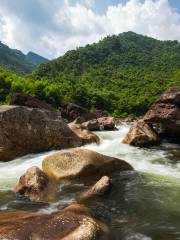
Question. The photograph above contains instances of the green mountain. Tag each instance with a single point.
(18, 62)
(35, 58)
(122, 74)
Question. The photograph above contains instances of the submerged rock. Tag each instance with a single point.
(165, 113)
(32, 184)
(72, 223)
(22, 99)
(77, 163)
(30, 130)
(85, 135)
(141, 135)
(100, 188)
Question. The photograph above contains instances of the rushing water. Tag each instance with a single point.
(144, 204)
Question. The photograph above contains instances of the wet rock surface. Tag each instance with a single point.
(100, 188)
(141, 135)
(80, 163)
(85, 135)
(32, 184)
(72, 223)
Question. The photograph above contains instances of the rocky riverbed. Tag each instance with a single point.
(141, 205)
(121, 182)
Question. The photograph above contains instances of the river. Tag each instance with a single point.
(143, 205)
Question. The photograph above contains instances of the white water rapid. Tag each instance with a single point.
(154, 160)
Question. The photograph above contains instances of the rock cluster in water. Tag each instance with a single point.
(84, 134)
(161, 121)
(35, 126)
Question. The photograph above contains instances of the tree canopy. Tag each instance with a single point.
(122, 74)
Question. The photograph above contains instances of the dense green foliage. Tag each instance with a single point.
(18, 62)
(122, 74)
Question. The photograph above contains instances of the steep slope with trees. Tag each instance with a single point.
(122, 74)
(18, 62)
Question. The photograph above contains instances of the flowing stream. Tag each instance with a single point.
(144, 204)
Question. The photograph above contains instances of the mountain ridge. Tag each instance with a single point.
(17, 61)
(122, 74)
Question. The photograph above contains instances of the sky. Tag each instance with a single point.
(52, 27)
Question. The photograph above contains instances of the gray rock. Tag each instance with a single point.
(30, 130)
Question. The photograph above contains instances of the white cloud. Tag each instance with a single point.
(52, 27)
(87, 3)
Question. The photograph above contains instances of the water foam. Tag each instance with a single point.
(152, 160)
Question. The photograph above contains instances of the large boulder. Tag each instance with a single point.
(164, 114)
(72, 223)
(33, 184)
(85, 135)
(22, 99)
(141, 135)
(77, 163)
(29, 130)
(100, 188)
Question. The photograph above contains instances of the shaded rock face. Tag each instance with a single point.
(107, 123)
(86, 136)
(25, 130)
(141, 135)
(32, 184)
(71, 111)
(79, 163)
(100, 124)
(21, 99)
(91, 125)
(100, 188)
(165, 113)
(95, 115)
(73, 223)
(172, 96)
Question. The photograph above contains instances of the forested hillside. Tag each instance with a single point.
(18, 62)
(122, 74)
